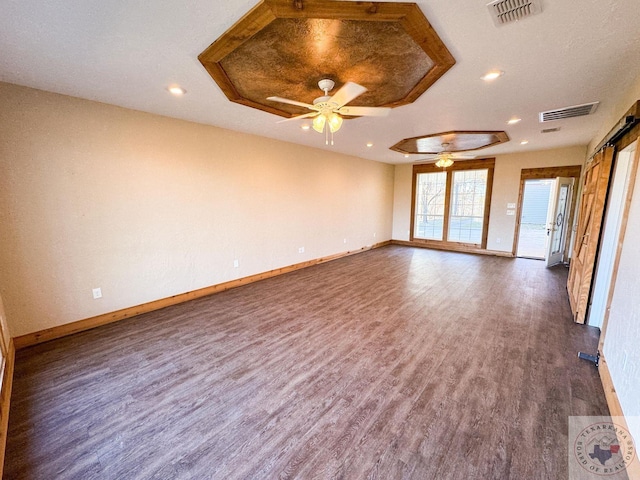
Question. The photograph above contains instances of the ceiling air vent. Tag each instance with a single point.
(569, 112)
(508, 11)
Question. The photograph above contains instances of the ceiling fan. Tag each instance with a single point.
(327, 109)
(445, 158)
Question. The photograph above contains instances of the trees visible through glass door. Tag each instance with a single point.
(451, 206)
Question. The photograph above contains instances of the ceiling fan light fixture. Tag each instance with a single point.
(326, 109)
(444, 160)
(319, 123)
(335, 122)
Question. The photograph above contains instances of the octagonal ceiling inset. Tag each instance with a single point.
(284, 47)
(455, 141)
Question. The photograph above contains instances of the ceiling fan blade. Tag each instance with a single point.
(348, 92)
(306, 115)
(365, 111)
(291, 102)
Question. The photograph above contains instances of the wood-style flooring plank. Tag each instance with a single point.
(397, 363)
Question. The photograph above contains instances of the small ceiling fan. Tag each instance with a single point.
(445, 158)
(327, 109)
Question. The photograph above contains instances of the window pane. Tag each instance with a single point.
(468, 192)
(430, 196)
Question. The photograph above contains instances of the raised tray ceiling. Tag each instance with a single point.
(455, 141)
(283, 47)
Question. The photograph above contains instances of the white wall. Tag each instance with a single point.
(402, 202)
(631, 96)
(622, 341)
(506, 187)
(622, 338)
(146, 207)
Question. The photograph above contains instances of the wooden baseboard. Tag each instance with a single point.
(42, 336)
(615, 410)
(450, 248)
(5, 400)
(609, 391)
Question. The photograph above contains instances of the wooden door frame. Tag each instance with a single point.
(8, 352)
(477, 164)
(543, 173)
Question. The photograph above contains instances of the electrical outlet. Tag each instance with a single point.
(498, 240)
(236, 263)
(344, 241)
(511, 212)
(374, 234)
(97, 293)
(301, 250)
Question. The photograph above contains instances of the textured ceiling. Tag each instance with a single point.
(126, 53)
(450, 142)
(389, 72)
(284, 48)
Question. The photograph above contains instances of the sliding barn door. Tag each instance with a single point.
(594, 194)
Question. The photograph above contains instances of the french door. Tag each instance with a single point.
(558, 220)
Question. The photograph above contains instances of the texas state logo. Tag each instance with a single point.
(604, 449)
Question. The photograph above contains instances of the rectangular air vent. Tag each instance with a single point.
(569, 112)
(508, 11)
(549, 130)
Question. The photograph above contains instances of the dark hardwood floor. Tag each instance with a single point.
(394, 363)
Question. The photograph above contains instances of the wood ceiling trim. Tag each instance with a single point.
(429, 79)
(374, 11)
(410, 145)
(407, 16)
(417, 25)
(251, 23)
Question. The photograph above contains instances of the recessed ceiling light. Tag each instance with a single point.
(305, 127)
(369, 144)
(513, 121)
(176, 90)
(492, 75)
(524, 142)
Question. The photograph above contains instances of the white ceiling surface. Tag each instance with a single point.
(126, 52)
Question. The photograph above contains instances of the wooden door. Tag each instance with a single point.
(594, 194)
